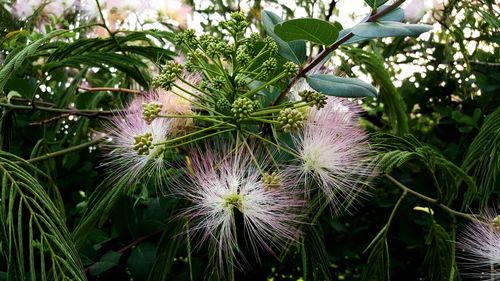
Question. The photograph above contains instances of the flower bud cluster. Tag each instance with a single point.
(271, 180)
(290, 119)
(171, 71)
(150, 111)
(143, 143)
(242, 107)
(314, 98)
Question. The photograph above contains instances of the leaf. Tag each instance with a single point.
(483, 160)
(394, 104)
(141, 259)
(105, 263)
(294, 51)
(15, 60)
(439, 253)
(383, 29)
(340, 86)
(375, 3)
(309, 29)
(37, 244)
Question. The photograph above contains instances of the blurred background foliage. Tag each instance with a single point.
(439, 104)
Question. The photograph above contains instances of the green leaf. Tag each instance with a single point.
(141, 259)
(105, 263)
(483, 160)
(439, 253)
(375, 3)
(394, 104)
(340, 86)
(294, 51)
(15, 60)
(389, 29)
(310, 29)
(35, 242)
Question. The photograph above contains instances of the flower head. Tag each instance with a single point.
(334, 152)
(479, 248)
(134, 152)
(221, 186)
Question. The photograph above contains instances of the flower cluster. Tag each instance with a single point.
(479, 247)
(277, 154)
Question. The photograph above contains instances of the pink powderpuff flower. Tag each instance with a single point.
(334, 152)
(220, 186)
(133, 150)
(415, 10)
(479, 248)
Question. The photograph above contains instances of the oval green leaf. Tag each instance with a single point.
(294, 51)
(341, 86)
(389, 29)
(313, 30)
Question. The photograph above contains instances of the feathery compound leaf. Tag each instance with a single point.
(377, 267)
(439, 253)
(447, 177)
(36, 242)
(394, 105)
(17, 59)
(483, 159)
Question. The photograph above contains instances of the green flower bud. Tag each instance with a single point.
(240, 81)
(242, 107)
(271, 45)
(236, 25)
(291, 68)
(223, 105)
(169, 74)
(187, 36)
(218, 83)
(271, 180)
(242, 57)
(290, 119)
(496, 222)
(269, 66)
(315, 98)
(143, 143)
(150, 111)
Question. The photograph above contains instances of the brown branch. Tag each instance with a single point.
(302, 73)
(101, 89)
(129, 246)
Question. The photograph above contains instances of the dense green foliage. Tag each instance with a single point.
(436, 132)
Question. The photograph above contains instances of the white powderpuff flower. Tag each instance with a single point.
(414, 10)
(479, 248)
(124, 159)
(175, 10)
(334, 153)
(220, 186)
(25, 8)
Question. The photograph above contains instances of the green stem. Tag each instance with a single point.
(189, 135)
(279, 147)
(267, 84)
(79, 112)
(64, 151)
(200, 138)
(475, 218)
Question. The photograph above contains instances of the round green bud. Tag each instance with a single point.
(143, 143)
(150, 111)
(291, 68)
(269, 67)
(271, 180)
(314, 98)
(242, 107)
(217, 83)
(290, 119)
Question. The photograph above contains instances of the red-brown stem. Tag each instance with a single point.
(331, 48)
(123, 90)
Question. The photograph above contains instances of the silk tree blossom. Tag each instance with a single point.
(220, 186)
(175, 10)
(414, 10)
(334, 153)
(26, 8)
(133, 152)
(479, 248)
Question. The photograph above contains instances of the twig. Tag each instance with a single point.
(110, 89)
(129, 246)
(302, 73)
(64, 151)
(79, 112)
(475, 218)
